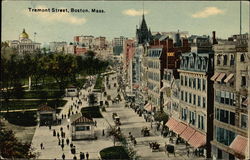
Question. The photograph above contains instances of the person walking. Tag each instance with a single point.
(103, 132)
(62, 146)
(63, 156)
(87, 155)
(41, 145)
(67, 141)
(82, 156)
(59, 142)
(74, 158)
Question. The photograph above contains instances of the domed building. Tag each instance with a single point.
(24, 44)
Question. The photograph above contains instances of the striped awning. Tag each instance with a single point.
(239, 144)
(179, 128)
(229, 78)
(221, 76)
(187, 134)
(197, 140)
(171, 123)
(215, 76)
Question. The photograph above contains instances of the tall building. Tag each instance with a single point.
(58, 46)
(84, 41)
(231, 101)
(118, 45)
(100, 43)
(24, 44)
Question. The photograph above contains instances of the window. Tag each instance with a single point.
(186, 96)
(243, 81)
(190, 98)
(218, 59)
(242, 58)
(184, 114)
(186, 80)
(225, 60)
(222, 98)
(182, 96)
(232, 60)
(190, 82)
(224, 136)
(243, 122)
(192, 116)
(227, 97)
(199, 100)
(225, 116)
(82, 128)
(194, 83)
(201, 122)
(182, 80)
(199, 83)
(203, 84)
(204, 102)
(194, 99)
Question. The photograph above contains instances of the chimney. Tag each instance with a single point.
(214, 38)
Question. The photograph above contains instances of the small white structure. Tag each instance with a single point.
(82, 127)
(46, 115)
(71, 91)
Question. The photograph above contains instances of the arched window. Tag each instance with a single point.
(225, 60)
(218, 59)
(232, 60)
(242, 58)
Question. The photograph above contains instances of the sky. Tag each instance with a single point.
(121, 18)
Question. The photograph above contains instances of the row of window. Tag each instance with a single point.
(225, 97)
(193, 99)
(224, 136)
(200, 64)
(193, 118)
(153, 64)
(225, 116)
(223, 59)
(154, 76)
(195, 83)
(154, 53)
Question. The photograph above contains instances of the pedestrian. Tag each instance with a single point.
(87, 155)
(63, 156)
(59, 142)
(62, 141)
(41, 145)
(188, 152)
(67, 141)
(82, 156)
(71, 145)
(68, 127)
(62, 146)
(103, 132)
(54, 132)
(62, 116)
(50, 127)
(62, 134)
(61, 129)
(74, 158)
(135, 142)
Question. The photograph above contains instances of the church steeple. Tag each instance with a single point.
(143, 34)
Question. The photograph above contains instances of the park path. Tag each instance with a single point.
(53, 150)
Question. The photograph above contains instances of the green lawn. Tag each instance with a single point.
(91, 112)
(31, 104)
(27, 118)
(116, 152)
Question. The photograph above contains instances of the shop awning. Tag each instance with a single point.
(187, 134)
(149, 107)
(229, 78)
(215, 76)
(163, 89)
(239, 144)
(171, 123)
(221, 76)
(197, 140)
(179, 128)
(245, 102)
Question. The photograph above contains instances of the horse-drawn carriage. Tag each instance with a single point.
(145, 131)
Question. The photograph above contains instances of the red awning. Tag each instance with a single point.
(171, 123)
(229, 78)
(221, 76)
(187, 134)
(215, 76)
(239, 144)
(197, 140)
(180, 128)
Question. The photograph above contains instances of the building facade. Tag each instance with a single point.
(230, 102)
(58, 47)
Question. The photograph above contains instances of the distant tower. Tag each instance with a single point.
(143, 34)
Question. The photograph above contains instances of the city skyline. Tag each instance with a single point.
(121, 19)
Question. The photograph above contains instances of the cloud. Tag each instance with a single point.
(208, 11)
(63, 17)
(133, 12)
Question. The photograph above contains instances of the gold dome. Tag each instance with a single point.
(24, 35)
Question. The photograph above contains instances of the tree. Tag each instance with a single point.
(161, 117)
(10, 147)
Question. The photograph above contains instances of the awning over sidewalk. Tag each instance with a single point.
(187, 134)
(239, 144)
(171, 123)
(229, 78)
(215, 76)
(221, 76)
(197, 140)
(179, 128)
(149, 107)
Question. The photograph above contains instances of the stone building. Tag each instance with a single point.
(196, 98)
(230, 102)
